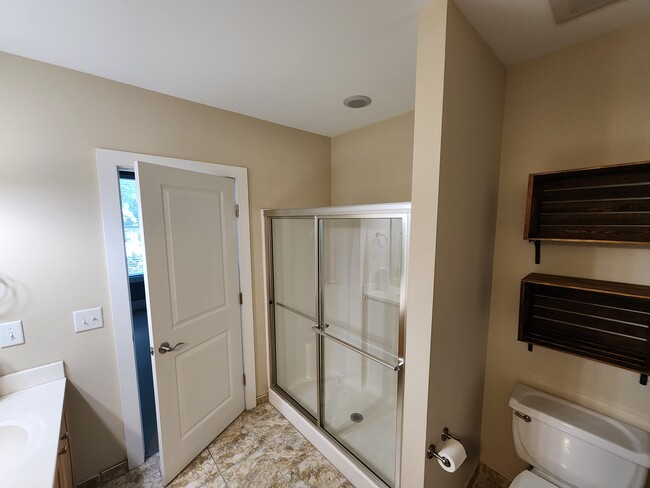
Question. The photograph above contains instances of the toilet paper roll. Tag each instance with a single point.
(454, 452)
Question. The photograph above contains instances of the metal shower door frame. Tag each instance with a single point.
(319, 215)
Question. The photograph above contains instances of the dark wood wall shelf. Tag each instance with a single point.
(601, 320)
(608, 204)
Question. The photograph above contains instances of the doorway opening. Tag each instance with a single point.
(109, 164)
(134, 252)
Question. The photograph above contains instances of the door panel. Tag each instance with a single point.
(353, 384)
(294, 270)
(360, 280)
(296, 357)
(190, 217)
(192, 282)
(198, 399)
(361, 271)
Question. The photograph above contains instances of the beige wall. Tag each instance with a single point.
(472, 124)
(374, 164)
(460, 93)
(429, 86)
(584, 106)
(51, 249)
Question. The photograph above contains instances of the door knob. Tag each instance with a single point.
(165, 347)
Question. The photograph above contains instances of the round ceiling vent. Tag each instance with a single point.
(357, 101)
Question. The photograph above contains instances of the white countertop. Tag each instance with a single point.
(33, 400)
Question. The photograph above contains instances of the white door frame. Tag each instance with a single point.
(109, 162)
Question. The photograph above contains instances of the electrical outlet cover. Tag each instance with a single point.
(88, 319)
(11, 334)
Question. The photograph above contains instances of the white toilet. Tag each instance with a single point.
(570, 446)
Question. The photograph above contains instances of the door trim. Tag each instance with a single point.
(108, 163)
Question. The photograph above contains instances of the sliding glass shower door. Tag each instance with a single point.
(294, 309)
(337, 299)
(360, 298)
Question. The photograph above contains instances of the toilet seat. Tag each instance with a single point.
(528, 479)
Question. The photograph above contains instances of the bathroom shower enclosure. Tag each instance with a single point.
(336, 296)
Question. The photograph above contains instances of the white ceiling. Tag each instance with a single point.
(521, 30)
(287, 61)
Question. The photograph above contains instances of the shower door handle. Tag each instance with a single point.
(165, 347)
(394, 366)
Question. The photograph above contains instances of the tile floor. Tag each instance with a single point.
(488, 478)
(260, 449)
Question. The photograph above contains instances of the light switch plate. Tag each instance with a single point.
(11, 334)
(88, 319)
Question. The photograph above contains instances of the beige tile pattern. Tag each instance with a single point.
(114, 471)
(288, 448)
(233, 448)
(314, 471)
(488, 478)
(147, 475)
(260, 449)
(197, 472)
(262, 399)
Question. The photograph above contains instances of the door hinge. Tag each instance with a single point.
(244, 379)
(151, 350)
(241, 298)
(237, 210)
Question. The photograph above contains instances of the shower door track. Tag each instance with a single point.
(377, 211)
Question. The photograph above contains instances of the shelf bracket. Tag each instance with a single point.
(644, 379)
(538, 251)
(530, 347)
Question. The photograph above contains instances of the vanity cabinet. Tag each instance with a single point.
(64, 475)
(32, 402)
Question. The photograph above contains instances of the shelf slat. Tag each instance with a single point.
(602, 320)
(607, 204)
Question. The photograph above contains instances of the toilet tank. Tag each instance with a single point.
(576, 446)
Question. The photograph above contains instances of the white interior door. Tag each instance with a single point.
(192, 282)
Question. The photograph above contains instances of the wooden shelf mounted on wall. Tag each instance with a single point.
(601, 320)
(608, 204)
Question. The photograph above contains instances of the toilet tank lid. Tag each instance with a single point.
(612, 435)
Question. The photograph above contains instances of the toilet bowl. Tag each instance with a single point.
(570, 446)
(528, 479)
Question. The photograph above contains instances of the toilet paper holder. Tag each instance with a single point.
(431, 450)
